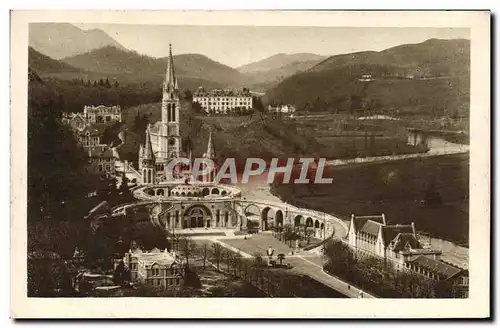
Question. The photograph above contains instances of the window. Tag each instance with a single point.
(155, 272)
(133, 266)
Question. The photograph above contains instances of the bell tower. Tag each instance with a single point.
(170, 141)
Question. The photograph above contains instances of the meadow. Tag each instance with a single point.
(432, 192)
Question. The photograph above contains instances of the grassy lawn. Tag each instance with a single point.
(258, 244)
(397, 189)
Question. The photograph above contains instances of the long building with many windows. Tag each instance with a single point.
(399, 246)
(219, 101)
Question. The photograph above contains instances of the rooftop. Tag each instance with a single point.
(391, 232)
(154, 256)
(222, 93)
(100, 151)
(439, 267)
(95, 129)
(368, 224)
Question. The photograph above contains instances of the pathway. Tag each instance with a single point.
(310, 264)
(437, 147)
(313, 267)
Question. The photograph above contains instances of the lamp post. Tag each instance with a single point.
(270, 252)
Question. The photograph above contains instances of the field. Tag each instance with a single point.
(343, 136)
(258, 244)
(432, 192)
(267, 136)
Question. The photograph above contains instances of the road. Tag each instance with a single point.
(312, 265)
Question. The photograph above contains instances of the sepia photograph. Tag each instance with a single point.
(169, 161)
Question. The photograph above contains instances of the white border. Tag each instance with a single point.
(476, 306)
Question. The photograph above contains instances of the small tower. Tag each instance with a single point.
(210, 154)
(148, 161)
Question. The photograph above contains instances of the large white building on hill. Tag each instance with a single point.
(223, 101)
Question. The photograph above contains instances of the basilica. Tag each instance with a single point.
(163, 142)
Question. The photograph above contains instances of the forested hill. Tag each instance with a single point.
(113, 61)
(431, 77)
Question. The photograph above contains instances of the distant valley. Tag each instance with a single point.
(265, 74)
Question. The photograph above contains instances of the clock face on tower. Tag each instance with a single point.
(171, 141)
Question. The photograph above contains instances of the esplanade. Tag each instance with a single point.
(199, 207)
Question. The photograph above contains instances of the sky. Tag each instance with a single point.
(239, 45)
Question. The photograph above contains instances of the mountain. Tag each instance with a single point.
(428, 77)
(113, 61)
(266, 73)
(59, 40)
(44, 64)
(277, 61)
(431, 58)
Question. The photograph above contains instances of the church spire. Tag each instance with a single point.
(210, 147)
(148, 154)
(170, 83)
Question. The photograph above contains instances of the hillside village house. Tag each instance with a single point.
(287, 109)
(89, 128)
(399, 246)
(93, 114)
(161, 269)
(223, 101)
(366, 78)
(91, 135)
(101, 159)
(102, 114)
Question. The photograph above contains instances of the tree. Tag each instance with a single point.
(117, 84)
(217, 253)
(124, 189)
(258, 265)
(188, 95)
(271, 227)
(118, 273)
(204, 252)
(340, 257)
(229, 260)
(288, 234)
(257, 104)
(57, 177)
(238, 262)
(188, 248)
(175, 239)
(197, 109)
(309, 231)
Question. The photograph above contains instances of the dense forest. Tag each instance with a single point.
(74, 94)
